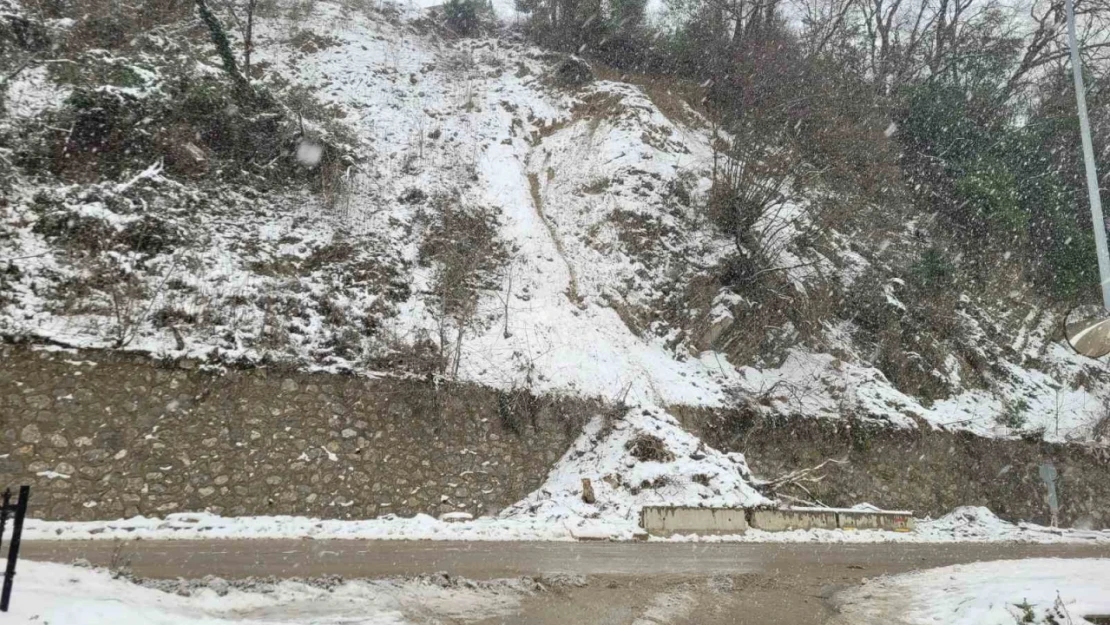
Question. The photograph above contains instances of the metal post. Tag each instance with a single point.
(4, 501)
(13, 546)
(1089, 161)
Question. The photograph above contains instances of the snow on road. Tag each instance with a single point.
(1005, 592)
(55, 594)
(1035, 591)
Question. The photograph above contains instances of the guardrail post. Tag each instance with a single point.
(13, 546)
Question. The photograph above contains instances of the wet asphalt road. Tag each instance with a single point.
(488, 560)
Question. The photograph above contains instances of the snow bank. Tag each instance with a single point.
(952, 528)
(202, 525)
(974, 522)
(54, 593)
(986, 593)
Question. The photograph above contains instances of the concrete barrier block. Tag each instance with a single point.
(668, 520)
(783, 520)
(890, 521)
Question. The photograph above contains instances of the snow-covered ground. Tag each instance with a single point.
(54, 594)
(1005, 592)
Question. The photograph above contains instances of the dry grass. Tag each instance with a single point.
(677, 98)
(649, 448)
(1101, 430)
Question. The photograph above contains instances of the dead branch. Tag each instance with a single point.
(798, 478)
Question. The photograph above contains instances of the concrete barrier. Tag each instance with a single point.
(890, 521)
(789, 519)
(779, 520)
(668, 520)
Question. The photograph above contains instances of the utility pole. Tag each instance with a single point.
(1088, 331)
(1098, 220)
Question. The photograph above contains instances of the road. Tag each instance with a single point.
(695, 583)
(234, 559)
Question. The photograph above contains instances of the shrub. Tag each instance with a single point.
(748, 185)
(934, 271)
(464, 248)
(1013, 414)
(110, 24)
(649, 448)
(19, 34)
(988, 192)
(1101, 429)
(187, 119)
(1068, 268)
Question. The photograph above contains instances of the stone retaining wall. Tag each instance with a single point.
(101, 435)
(927, 471)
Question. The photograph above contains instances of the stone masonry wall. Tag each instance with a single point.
(927, 471)
(101, 435)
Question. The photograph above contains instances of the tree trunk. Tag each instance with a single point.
(248, 40)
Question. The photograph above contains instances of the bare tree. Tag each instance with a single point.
(1046, 43)
(747, 17)
(748, 194)
(824, 22)
(895, 31)
(908, 40)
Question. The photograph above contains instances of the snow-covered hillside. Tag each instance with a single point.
(572, 213)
